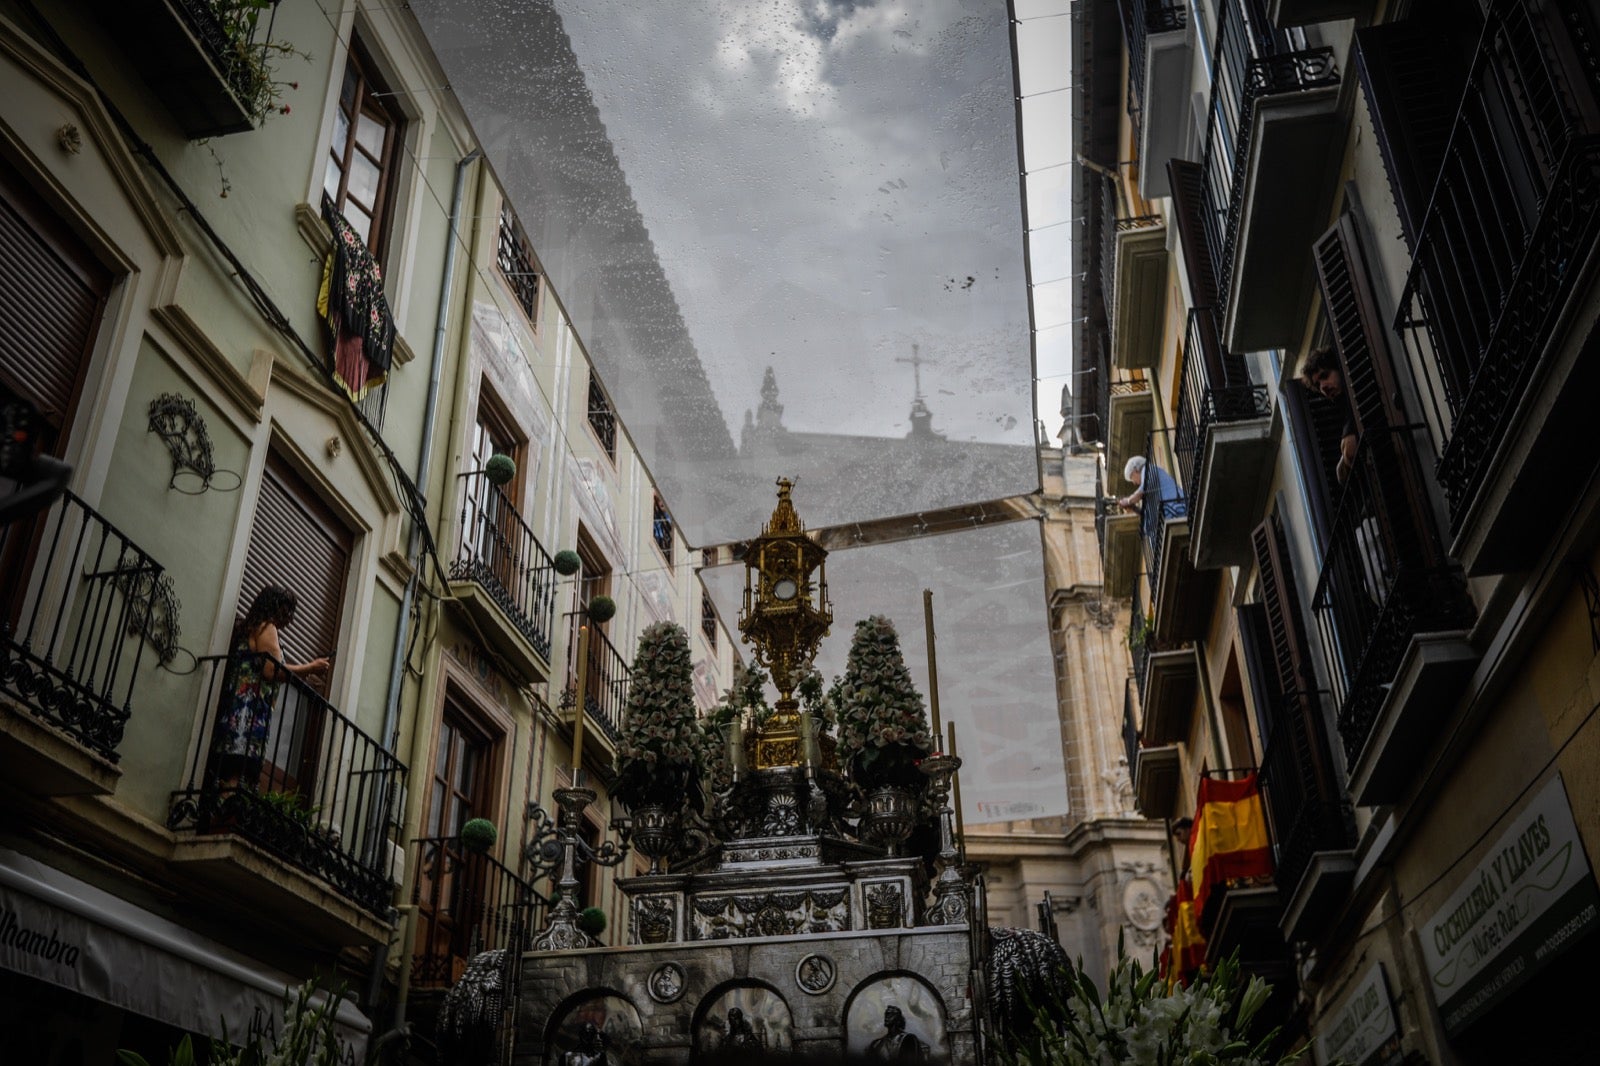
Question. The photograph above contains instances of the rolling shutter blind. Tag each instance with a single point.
(51, 295)
(1413, 75)
(1290, 650)
(296, 543)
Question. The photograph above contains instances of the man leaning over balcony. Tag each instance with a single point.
(1157, 484)
(1323, 374)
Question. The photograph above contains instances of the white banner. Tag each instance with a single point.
(69, 933)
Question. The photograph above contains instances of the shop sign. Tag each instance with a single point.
(1363, 1032)
(1529, 899)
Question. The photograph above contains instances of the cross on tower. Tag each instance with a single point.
(916, 362)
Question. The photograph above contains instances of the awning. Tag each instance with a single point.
(59, 929)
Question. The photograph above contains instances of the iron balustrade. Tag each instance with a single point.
(1514, 212)
(74, 612)
(1252, 59)
(307, 784)
(1140, 19)
(1107, 262)
(515, 259)
(467, 902)
(228, 33)
(1216, 387)
(606, 681)
(1159, 505)
(1379, 585)
(497, 550)
(1306, 810)
(1130, 734)
(1139, 640)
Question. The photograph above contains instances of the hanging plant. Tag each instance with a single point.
(661, 736)
(602, 609)
(478, 834)
(567, 562)
(883, 724)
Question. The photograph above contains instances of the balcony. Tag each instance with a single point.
(1171, 684)
(201, 64)
(1130, 414)
(1287, 13)
(1120, 551)
(1387, 598)
(466, 903)
(1313, 826)
(75, 612)
(1160, 49)
(1180, 598)
(1274, 140)
(605, 696)
(288, 807)
(1155, 782)
(1496, 314)
(1141, 292)
(502, 577)
(1225, 445)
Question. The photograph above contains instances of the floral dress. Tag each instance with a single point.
(247, 715)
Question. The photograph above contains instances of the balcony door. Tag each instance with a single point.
(297, 543)
(491, 520)
(454, 886)
(52, 295)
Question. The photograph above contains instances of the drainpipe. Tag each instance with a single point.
(390, 733)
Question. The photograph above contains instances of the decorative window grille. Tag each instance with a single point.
(515, 258)
(602, 419)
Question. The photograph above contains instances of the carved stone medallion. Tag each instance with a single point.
(666, 982)
(815, 974)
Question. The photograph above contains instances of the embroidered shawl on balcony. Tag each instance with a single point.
(351, 301)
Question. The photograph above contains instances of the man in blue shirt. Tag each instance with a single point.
(1154, 482)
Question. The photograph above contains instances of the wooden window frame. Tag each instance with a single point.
(708, 619)
(662, 529)
(370, 88)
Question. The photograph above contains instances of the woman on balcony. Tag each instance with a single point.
(257, 670)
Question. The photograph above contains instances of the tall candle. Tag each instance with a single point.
(578, 712)
(956, 780)
(933, 662)
(809, 755)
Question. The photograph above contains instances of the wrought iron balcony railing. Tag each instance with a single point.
(76, 608)
(284, 769)
(1216, 387)
(1379, 584)
(1305, 806)
(467, 902)
(1253, 58)
(605, 684)
(1163, 501)
(1141, 18)
(1515, 212)
(499, 552)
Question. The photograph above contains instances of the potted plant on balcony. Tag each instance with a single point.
(657, 757)
(883, 728)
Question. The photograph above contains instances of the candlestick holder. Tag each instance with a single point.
(952, 902)
(561, 932)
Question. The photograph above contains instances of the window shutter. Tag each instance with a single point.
(51, 295)
(1290, 650)
(296, 543)
(1413, 74)
(1189, 204)
(1316, 424)
(1373, 386)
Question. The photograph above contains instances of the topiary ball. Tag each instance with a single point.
(602, 608)
(592, 920)
(479, 834)
(500, 469)
(567, 562)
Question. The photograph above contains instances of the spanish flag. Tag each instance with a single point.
(1228, 840)
(1187, 951)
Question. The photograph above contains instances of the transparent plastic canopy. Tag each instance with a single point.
(829, 189)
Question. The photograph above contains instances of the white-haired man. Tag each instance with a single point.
(1154, 484)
